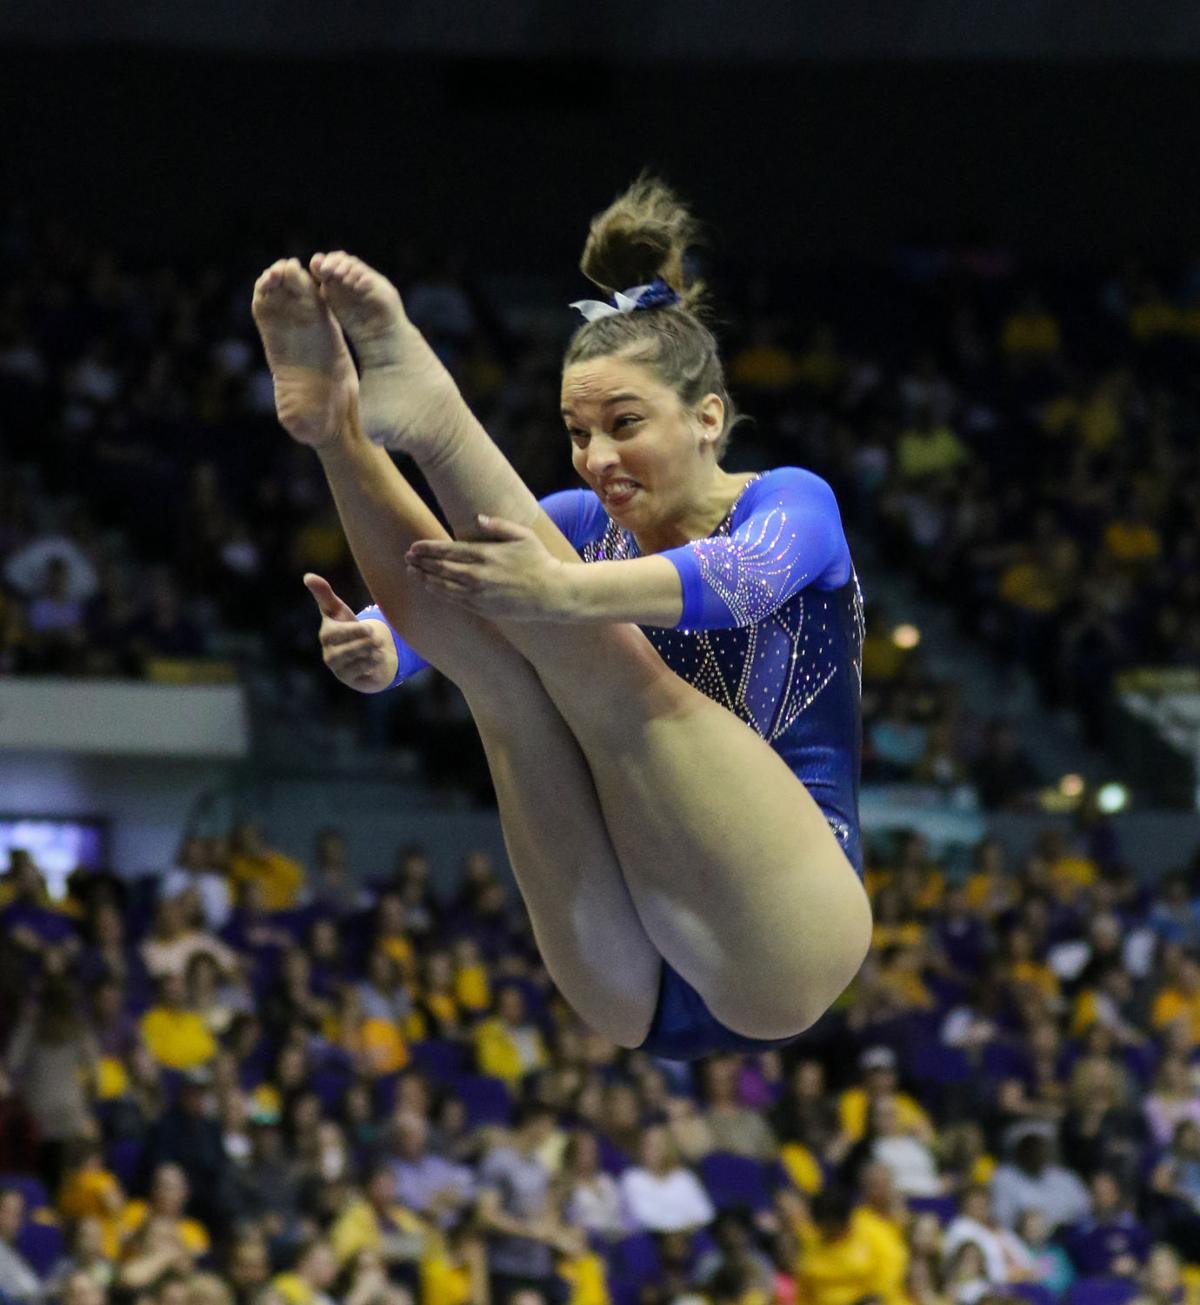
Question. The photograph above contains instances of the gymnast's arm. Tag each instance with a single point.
(787, 535)
(372, 656)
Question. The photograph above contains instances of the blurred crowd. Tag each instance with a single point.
(1023, 439)
(249, 1081)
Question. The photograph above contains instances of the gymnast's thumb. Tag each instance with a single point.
(329, 603)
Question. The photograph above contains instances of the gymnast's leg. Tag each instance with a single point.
(733, 869)
(585, 924)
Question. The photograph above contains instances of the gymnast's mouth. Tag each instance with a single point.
(617, 492)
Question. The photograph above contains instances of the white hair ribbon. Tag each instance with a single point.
(626, 302)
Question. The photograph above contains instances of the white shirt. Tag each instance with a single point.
(216, 902)
(668, 1204)
(911, 1163)
(1002, 1250)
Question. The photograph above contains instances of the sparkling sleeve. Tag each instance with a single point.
(785, 535)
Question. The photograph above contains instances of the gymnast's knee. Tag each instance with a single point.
(785, 1001)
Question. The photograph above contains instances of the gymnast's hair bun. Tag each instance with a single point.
(643, 233)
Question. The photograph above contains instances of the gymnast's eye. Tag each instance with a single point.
(628, 419)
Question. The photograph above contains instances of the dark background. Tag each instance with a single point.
(509, 157)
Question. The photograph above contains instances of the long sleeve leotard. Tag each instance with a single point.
(772, 625)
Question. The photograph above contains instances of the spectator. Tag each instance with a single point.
(659, 1193)
(251, 860)
(515, 1210)
(593, 1200)
(1031, 1182)
(842, 1260)
(508, 1046)
(174, 1034)
(18, 1281)
(427, 1183)
(1005, 1258)
(1110, 1242)
(309, 1280)
(733, 1126)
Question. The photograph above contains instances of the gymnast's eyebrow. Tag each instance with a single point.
(615, 398)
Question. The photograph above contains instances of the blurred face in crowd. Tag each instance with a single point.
(170, 1192)
(878, 1186)
(585, 1155)
(1162, 1272)
(1106, 1195)
(412, 1132)
(318, 1266)
(381, 1189)
(808, 1080)
(12, 1214)
(510, 1006)
(977, 1205)
(925, 1238)
(249, 1264)
(1033, 1229)
(657, 1152)
(1187, 1140)
(82, 1289)
(174, 1291)
(648, 459)
(721, 1080)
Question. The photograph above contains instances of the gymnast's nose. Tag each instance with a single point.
(601, 457)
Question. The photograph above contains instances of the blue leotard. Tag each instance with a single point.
(772, 629)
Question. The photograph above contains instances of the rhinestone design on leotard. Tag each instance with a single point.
(774, 664)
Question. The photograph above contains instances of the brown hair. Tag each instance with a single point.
(645, 233)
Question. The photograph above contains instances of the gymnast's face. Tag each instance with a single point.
(648, 458)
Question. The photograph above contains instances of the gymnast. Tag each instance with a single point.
(664, 667)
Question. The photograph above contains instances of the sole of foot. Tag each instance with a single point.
(310, 365)
(404, 391)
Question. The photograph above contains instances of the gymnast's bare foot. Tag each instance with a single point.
(408, 401)
(315, 381)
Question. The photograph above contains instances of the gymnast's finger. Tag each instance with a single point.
(445, 548)
(345, 635)
(456, 571)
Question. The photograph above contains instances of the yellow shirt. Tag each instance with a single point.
(293, 1289)
(499, 1054)
(852, 1110)
(380, 1044)
(763, 367)
(1029, 586)
(870, 1260)
(1038, 976)
(1171, 1005)
(357, 1229)
(926, 453)
(443, 1283)
(1154, 318)
(987, 892)
(1132, 541)
(472, 989)
(1059, 414)
(587, 1280)
(95, 1194)
(1100, 421)
(281, 877)
(1071, 875)
(802, 1167)
(910, 933)
(1031, 333)
(178, 1039)
(191, 1233)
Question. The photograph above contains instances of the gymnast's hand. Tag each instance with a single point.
(509, 573)
(360, 653)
